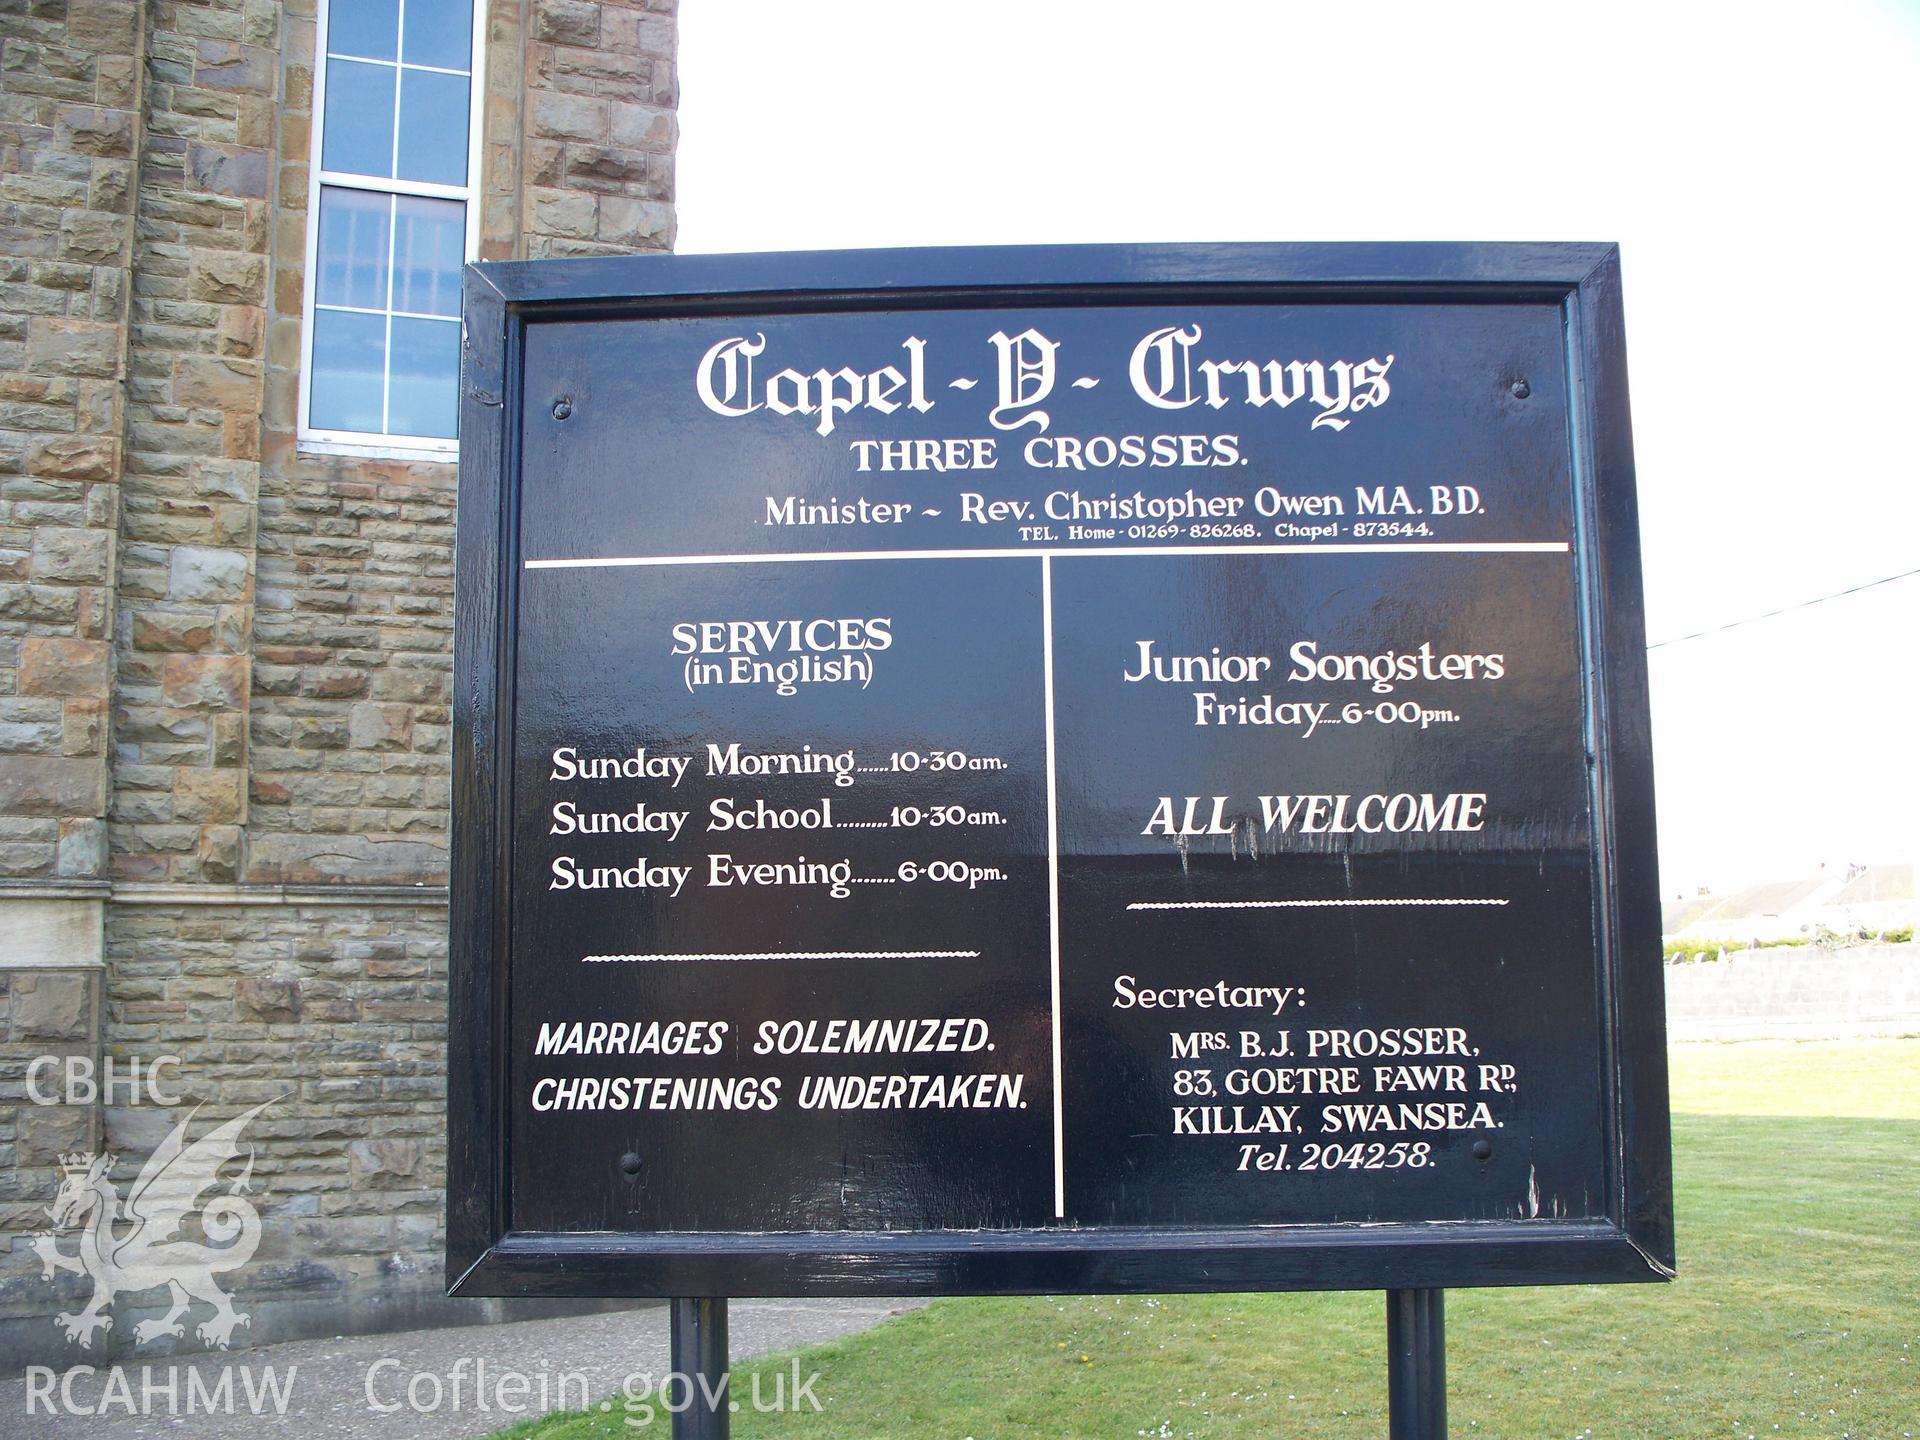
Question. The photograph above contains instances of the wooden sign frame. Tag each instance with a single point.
(488, 1254)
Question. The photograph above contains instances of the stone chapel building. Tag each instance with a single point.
(230, 241)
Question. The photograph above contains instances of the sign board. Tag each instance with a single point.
(1052, 770)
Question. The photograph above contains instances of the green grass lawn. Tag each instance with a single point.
(1797, 1311)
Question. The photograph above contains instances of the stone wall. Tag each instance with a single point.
(1796, 993)
(225, 662)
(71, 82)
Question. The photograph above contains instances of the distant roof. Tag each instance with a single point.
(1676, 915)
(1777, 898)
(1772, 897)
(1879, 882)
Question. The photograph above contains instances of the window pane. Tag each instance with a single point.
(353, 248)
(348, 355)
(426, 377)
(359, 119)
(433, 127)
(427, 253)
(363, 27)
(440, 32)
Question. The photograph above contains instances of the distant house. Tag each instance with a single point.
(1844, 900)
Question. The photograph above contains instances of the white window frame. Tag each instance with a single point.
(315, 440)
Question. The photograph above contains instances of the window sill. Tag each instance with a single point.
(444, 453)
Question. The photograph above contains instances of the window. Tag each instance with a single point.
(391, 218)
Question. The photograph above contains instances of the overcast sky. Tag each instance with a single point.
(1756, 162)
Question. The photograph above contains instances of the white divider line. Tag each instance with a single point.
(1416, 547)
(1053, 890)
(787, 955)
(1297, 904)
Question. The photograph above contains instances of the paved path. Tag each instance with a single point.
(331, 1378)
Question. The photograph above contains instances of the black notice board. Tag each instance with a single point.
(1092, 769)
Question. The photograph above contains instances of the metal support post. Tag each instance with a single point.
(1416, 1365)
(698, 1354)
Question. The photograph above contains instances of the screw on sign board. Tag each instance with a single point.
(1110, 769)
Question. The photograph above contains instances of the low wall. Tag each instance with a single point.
(1754, 994)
